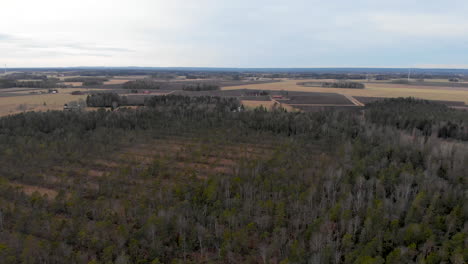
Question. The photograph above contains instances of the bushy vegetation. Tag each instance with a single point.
(48, 83)
(401, 81)
(329, 187)
(201, 87)
(430, 119)
(88, 81)
(145, 84)
(25, 76)
(105, 100)
(92, 82)
(351, 85)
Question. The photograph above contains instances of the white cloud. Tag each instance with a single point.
(422, 25)
(242, 33)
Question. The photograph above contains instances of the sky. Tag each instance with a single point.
(236, 33)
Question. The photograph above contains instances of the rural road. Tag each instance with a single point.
(353, 100)
(323, 105)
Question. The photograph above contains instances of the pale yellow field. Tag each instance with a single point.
(130, 77)
(12, 105)
(35, 102)
(377, 90)
(79, 76)
(404, 86)
(442, 80)
(117, 81)
(75, 84)
(254, 104)
(66, 77)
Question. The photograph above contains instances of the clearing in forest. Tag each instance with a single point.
(371, 90)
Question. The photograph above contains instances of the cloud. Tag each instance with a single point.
(242, 33)
(42, 48)
(4, 37)
(88, 47)
(422, 25)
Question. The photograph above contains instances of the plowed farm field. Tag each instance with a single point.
(372, 90)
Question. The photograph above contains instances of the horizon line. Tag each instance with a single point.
(225, 67)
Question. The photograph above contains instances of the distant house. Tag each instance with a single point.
(72, 107)
(53, 91)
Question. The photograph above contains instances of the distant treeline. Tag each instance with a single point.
(25, 76)
(5, 83)
(87, 81)
(145, 84)
(105, 100)
(193, 103)
(351, 85)
(429, 118)
(201, 87)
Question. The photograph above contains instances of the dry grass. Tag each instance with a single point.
(374, 90)
(79, 76)
(74, 84)
(41, 102)
(30, 189)
(443, 81)
(405, 86)
(255, 104)
(35, 102)
(117, 81)
(130, 77)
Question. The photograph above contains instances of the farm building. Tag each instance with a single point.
(72, 107)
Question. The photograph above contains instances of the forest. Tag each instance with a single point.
(200, 180)
(142, 85)
(200, 87)
(48, 83)
(429, 118)
(351, 85)
(105, 100)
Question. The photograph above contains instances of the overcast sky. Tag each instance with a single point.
(236, 33)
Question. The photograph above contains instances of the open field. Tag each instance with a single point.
(74, 84)
(317, 98)
(42, 102)
(375, 90)
(422, 85)
(20, 100)
(319, 107)
(250, 104)
(117, 81)
(366, 100)
(130, 77)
